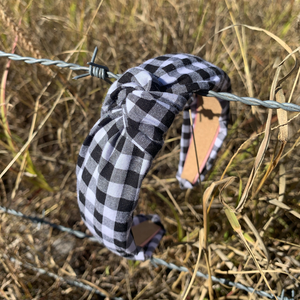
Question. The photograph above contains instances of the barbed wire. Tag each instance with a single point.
(95, 70)
(103, 72)
(252, 101)
(154, 261)
(69, 281)
(38, 220)
(220, 280)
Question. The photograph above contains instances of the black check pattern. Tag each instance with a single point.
(117, 154)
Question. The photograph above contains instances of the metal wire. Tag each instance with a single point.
(37, 220)
(52, 275)
(155, 261)
(103, 72)
(252, 101)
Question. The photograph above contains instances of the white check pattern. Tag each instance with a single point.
(118, 152)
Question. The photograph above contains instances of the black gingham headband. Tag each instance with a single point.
(118, 152)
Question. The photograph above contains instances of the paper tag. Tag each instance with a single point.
(206, 130)
(144, 232)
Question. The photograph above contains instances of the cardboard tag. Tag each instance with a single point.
(144, 232)
(206, 130)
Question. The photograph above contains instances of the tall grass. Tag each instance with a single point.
(45, 116)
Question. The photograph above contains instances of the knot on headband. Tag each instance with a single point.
(117, 154)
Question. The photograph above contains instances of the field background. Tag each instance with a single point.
(42, 181)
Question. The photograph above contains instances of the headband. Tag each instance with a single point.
(117, 154)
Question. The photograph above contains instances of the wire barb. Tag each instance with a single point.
(98, 71)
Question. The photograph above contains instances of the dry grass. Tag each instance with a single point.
(58, 112)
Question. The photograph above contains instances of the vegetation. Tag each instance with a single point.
(45, 116)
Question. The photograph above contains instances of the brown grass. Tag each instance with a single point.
(59, 113)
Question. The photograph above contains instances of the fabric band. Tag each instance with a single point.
(118, 152)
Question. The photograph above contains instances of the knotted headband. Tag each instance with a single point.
(117, 154)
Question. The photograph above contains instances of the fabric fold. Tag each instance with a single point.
(117, 154)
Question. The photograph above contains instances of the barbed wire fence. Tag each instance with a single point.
(102, 72)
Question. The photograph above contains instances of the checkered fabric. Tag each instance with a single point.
(117, 154)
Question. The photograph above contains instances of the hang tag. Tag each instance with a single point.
(206, 129)
(144, 232)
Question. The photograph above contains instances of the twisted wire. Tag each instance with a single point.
(98, 71)
(158, 261)
(155, 261)
(43, 61)
(103, 72)
(52, 275)
(252, 101)
(37, 220)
